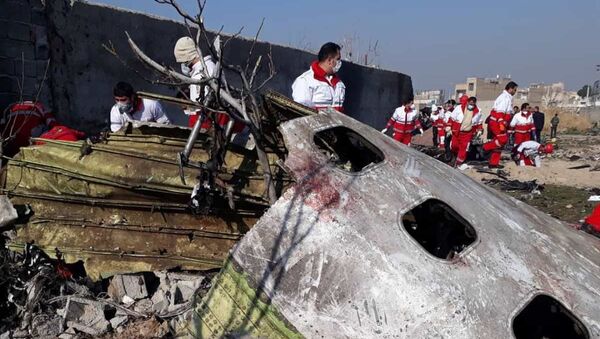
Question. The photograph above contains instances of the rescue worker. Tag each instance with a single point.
(591, 224)
(320, 87)
(554, 125)
(465, 124)
(129, 107)
(441, 125)
(501, 112)
(22, 121)
(438, 121)
(449, 107)
(406, 123)
(522, 124)
(511, 134)
(191, 65)
(528, 153)
(63, 133)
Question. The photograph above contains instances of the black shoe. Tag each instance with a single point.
(496, 166)
(483, 154)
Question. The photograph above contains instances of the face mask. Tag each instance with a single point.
(186, 70)
(337, 66)
(125, 107)
(412, 107)
(470, 107)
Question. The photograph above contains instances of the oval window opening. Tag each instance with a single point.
(546, 317)
(347, 149)
(439, 229)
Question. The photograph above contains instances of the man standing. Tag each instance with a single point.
(538, 121)
(438, 121)
(554, 126)
(191, 65)
(499, 115)
(129, 107)
(406, 123)
(320, 87)
(465, 124)
(522, 125)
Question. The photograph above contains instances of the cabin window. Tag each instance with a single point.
(347, 149)
(439, 229)
(546, 317)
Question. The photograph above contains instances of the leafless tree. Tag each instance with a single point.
(241, 103)
(354, 52)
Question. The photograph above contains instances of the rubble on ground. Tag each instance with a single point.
(515, 185)
(46, 299)
(101, 237)
(119, 253)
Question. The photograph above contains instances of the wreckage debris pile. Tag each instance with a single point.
(515, 185)
(44, 297)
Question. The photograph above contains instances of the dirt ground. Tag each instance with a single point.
(566, 190)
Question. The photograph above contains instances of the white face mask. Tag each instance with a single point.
(186, 70)
(125, 107)
(337, 66)
(470, 107)
(412, 107)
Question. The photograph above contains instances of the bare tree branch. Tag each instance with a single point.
(237, 107)
(179, 10)
(253, 44)
(163, 69)
(256, 68)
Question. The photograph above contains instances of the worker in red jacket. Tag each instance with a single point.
(22, 121)
(464, 123)
(528, 153)
(522, 125)
(438, 118)
(592, 222)
(406, 123)
(63, 133)
(499, 117)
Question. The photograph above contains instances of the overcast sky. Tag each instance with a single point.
(436, 42)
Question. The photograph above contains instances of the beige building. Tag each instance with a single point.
(428, 98)
(485, 89)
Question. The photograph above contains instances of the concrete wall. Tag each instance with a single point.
(23, 45)
(83, 73)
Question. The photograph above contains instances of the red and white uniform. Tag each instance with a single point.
(197, 95)
(504, 105)
(499, 117)
(522, 125)
(439, 122)
(463, 130)
(23, 121)
(314, 88)
(404, 120)
(60, 132)
(593, 222)
(528, 152)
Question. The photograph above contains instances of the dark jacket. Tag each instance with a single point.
(554, 121)
(538, 120)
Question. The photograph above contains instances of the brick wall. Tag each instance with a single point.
(82, 73)
(23, 51)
